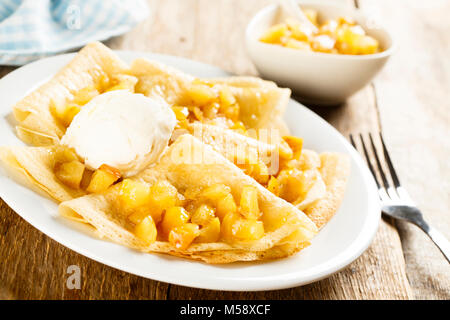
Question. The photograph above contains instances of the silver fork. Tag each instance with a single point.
(395, 201)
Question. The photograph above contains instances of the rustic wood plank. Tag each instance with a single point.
(414, 109)
(35, 267)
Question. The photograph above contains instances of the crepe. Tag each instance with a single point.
(236, 147)
(188, 162)
(334, 170)
(36, 124)
(331, 169)
(289, 227)
(34, 167)
(260, 101)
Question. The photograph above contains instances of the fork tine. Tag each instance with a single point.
(389, 163)
(377, 159)
(366, 154)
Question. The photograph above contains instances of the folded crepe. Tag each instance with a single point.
(34, 167)
(330, 169)
(334, 170)
(188, 162)
(262, 103)
(36, 123)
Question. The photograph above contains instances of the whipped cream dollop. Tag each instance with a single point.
(124, 130)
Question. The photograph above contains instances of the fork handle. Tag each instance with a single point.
(438, 238)
(441, 242)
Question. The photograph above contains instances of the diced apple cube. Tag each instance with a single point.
(215, 192)
(163, 196)
(275, 33)
(203, 215)
(83, 96)
(174, 217)
(181, 237)
(70, 173)
(146, 230)
(210, 232)
(103, 178)
(274, 186)
(296, 145)
(133, 194)
(200, 94)
(248, 205)
(235, 228)
(225, 205)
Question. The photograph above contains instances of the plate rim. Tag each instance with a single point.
(275, 282)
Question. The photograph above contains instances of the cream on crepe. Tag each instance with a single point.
(124, 130)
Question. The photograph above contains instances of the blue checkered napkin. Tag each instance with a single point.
(32, 29)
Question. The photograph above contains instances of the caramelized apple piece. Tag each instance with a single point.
(215, 192)
(201, 94)
(181, 113)
(298, 31)
(163, 195)
(137, 216)
(366, 45)
(64, 154)
(174, 217)
(352, 40)
(236, 228)
(70, 173)
(257, 171)
(210, 110)
(121, 86)
(228, 104)
(123, 82)
(203, 215)
(346, 20)
(274, 186)
(296, 144)
(103, 83)
(298, 45)
(196, 112)
(248, 205)
(85, 95)
(70, 113)
(295, 183)
(146, 230)
(239, 127)
(226, 97)
(210, 232)
(323, 43)
(133, 195)
(103, 178)
(181, 237)
(225, 205)
(275, 34)
(330, 27)
(64, 113)
(87, 176)
(260, 172)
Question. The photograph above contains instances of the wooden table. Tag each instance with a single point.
(408, 101)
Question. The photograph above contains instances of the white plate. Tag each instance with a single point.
(340, 242)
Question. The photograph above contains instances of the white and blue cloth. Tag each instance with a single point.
(32, 29)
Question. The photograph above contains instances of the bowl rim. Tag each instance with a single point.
(267, 9)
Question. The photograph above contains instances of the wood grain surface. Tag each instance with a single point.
(408, 101)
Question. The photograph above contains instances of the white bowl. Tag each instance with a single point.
(315, 77)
